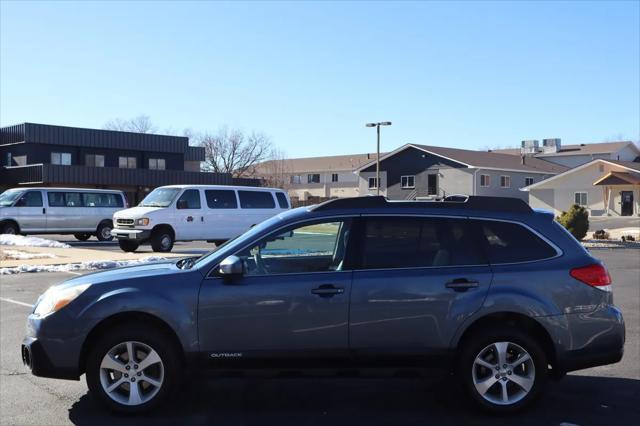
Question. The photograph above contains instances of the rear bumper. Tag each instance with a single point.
(131, 234)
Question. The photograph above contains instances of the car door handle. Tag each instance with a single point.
(327, 290)
(462, 284)
(44, 210)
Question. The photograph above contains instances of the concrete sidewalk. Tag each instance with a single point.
(62, 256)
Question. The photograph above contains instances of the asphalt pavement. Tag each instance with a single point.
(597, 396)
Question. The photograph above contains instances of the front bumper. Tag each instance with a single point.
(131, 234)
(37, 360)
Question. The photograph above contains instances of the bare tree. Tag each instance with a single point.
(231, 151)
(276, 172)
(139, 124)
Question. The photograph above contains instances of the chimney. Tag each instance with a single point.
(522, 157)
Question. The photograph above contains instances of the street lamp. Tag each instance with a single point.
(377, 126)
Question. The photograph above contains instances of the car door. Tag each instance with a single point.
(189, 216)
(31, 212)
(292, 299)
(417, 280)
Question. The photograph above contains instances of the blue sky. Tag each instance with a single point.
(310, 75)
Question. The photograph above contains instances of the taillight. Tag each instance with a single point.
(595, 275)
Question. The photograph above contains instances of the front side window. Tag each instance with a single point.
(221, 199)
(373, 183)
(256, 200)
(505, 181)
(313, 178)
(581, 199)
(160, 197)
(507, 242)
(317, 247)
(485, 180)
(61, 158)
(408, 182)
(94, 160)
(282, 200)
(30, 199)
(406, 242)
(190, 199)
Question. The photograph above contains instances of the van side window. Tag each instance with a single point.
(56, 199)
(256, 200)
(190, 199)
(282, 200)
(73, 199)
(221, 199)
(507, 242)
(30, 199)
(92, 199)
(405, 242)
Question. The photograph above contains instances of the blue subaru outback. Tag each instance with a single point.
(502, 294)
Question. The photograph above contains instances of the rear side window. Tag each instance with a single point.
(256, 200)
(190, 199)
(56, 199)
(221, 199)
(73, 199)
(507, 242)
(282, 200)
(404, 242)
(92, 199)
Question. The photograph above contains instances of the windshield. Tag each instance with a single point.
(160, 197)
(9, 196)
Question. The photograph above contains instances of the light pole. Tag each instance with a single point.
(377, 126)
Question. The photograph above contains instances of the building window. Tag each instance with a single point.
(581, 198)
(334, 177)
(432, 185)
(313, 178)
(63, 158)
(528, 181)
(373, 183)
(408, 182)
(157, 164)
(296, 179)
(93, 160)
(505, 181)
(485, 180)
(127, 162)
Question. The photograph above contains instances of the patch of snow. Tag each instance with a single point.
(28, 241)
(90, 265)
(23, 255)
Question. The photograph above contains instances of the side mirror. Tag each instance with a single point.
(231, 267)
(182, 204)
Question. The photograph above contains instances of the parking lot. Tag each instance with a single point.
(596, 396)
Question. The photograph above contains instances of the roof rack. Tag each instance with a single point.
(472, 202)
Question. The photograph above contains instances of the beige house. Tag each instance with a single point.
(603, 187)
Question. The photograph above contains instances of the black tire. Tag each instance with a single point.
(103, 233)
(162, 240)
(82, 237)
(143, 336)
(473, 346)
(10, 228)
(128, 246)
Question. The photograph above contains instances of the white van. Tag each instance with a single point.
(195, 212)
(81, 212)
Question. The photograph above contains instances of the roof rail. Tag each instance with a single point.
(472, 202)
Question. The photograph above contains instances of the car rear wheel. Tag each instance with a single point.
(502, 369)
(103, 232)
(132, 369)
(128, 246)
(82, 237)
(162, 240)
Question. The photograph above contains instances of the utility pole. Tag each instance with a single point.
(377, 126)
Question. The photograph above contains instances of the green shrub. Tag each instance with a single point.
(576, 220)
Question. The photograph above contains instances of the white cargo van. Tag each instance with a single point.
(195, 212)
(81, 212)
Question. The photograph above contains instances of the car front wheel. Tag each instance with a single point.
(103, 233)
(132, 370)
(502, 370)
(82, 237)
(162, 240)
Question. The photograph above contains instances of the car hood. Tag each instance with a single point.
(136, 212)
(125, 273)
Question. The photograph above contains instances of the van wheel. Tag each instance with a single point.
(10, 228)
(128, 246)
(82, 237)
(132, 369)
(103, 232)
(162, 240)
(502, 369)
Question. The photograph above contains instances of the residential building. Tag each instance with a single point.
(604, 187)
(317, 177)
(420, 171)
(45, 155)
(574, 155)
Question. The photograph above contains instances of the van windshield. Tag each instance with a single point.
(9, 196)
(160, 197)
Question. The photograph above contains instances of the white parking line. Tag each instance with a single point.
(71, 272)
(4, 299)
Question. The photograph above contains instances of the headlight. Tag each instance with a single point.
(55, 299)
(143, 221)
